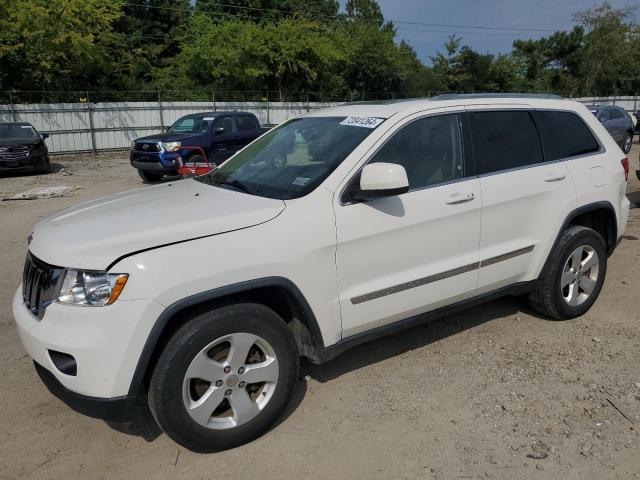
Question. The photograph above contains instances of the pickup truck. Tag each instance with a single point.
(218, 134)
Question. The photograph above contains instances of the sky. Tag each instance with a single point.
(538, 15)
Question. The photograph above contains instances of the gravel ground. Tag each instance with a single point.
(495, 392)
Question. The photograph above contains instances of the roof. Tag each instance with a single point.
(387, 108)
(212, 114)
(4, 124)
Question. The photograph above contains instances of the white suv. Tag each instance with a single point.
(333, 229)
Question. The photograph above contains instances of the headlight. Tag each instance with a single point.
(170, 146)
(91, 288)
(133, 144)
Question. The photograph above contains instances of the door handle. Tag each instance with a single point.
(555, 176)
(460, 197)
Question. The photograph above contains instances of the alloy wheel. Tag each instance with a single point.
(230, 381)
(579, 275)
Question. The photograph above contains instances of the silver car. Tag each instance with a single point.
(617, 122)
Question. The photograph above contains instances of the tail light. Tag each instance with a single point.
(625, 165)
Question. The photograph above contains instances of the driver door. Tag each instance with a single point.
(225, 139)
(404, 255)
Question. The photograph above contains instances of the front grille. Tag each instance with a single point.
(146, 147)
(39, 282)
(14, 152)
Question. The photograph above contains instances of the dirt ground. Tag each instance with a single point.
(495, 392)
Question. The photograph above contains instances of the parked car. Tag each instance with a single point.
(333, 229)
(617, 122)
(636, 124)
(22, 148)
(218, 134)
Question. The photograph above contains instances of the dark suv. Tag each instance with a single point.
(617, 122)
(22, 148)
(218, 134)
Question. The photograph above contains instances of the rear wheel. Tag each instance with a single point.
(627, 142)
(572, 278)
(150, 177)
(224, 377)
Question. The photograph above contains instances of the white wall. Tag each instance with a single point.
(76, 127)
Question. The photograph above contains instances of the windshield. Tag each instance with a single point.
(191, 125)
(293, 159)
(18, 131)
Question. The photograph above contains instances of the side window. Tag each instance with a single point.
(565, 135)
(504, 140)
(246, 123)
(430, 150)
(184, 125)
(603, 115)
(226, 123)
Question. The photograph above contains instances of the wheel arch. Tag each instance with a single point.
(278, 293)
(599, 216)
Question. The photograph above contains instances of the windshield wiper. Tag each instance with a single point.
(236, 184)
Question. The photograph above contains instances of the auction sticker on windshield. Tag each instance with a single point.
(366, 122)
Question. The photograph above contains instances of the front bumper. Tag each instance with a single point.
(105, 342)
(32, 162)
(117, 409)
(166, 162)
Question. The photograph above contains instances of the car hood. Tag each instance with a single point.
(167, 137)
(95, 234)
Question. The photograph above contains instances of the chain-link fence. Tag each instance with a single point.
(102, 121)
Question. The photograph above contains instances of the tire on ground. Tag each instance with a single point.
(547, 298)
(149, 177)
(166, 385)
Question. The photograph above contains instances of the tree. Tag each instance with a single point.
(610, 57)
(552, 63)
(57, 44)
(268, 10)
(151, 30)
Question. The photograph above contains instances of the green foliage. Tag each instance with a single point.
(610, 60)
(57, 44)
(267, 10)
(283, 46)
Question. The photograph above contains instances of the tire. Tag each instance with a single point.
(627, 142)
(150, 177)
(553, 296)
(177, 395)
(47, 167)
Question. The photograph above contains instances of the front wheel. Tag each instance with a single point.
(224, 377)
(572, 278)
(150, 177)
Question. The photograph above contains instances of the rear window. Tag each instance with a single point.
(615, 114)
(246, 123)
(566, 135)
(505, 140)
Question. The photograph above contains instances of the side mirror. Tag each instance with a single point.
(218, 130)
(381, 180)
(44, 135)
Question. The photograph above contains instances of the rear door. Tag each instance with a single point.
(248, 129)
(525, 198)
(407, 254)
(225, 138)
(605, 119)
(618, 122)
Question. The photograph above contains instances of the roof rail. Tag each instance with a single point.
(457, 96)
